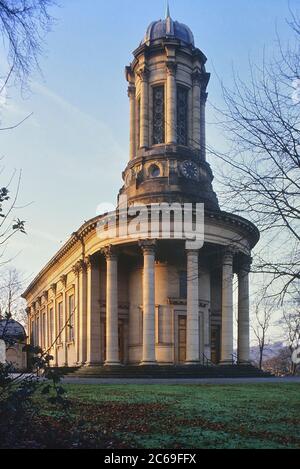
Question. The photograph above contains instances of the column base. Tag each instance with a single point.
(150, 363)
(88, 364)
(226, 362)
(244, 362)
(112, 364)
(192, 362)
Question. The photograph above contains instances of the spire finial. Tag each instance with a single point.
(168, 11)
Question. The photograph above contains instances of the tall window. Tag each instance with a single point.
(44, 331)
(37, 331)
(60, 322)
(51, 338)
(182, 115)
(158, 115)
(71, 314)
(138, 123)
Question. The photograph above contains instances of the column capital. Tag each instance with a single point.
(245, 265)
(148, 246)
(80, 266)
(53, 288)
(196, 77)
(131, 90)
(204, 97)
(110, 252)
(63, 280)
(192, 252)
(90, 262)
(45, 295)
(171, 68)
(129, 73)
(143, 74)
(228, 255)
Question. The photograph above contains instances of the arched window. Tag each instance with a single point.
(182, 115)
(158, 115)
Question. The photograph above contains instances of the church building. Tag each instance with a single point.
(113, 296)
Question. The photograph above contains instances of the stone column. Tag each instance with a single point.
(93, 313)
(40, 331)
(55, 328)
(47, 337)
(192, 329)
(196, 77)
(171, 104)
(148, 248)
(82, 322)
(76, 270)
(204, 96)
(144, 111)
(132, 121)
(243, 312)
(29, 324)
(207, 333)
(63, 280)
(227, 309)
(112, 320)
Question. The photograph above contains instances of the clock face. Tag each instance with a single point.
(189, 170)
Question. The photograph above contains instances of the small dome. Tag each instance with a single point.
(169, 29)
(11, 330)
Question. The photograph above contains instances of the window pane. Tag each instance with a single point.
(182, 115)
(71, 318)
(60, 322)
(158, 115)
(51, 327)
(44, 331)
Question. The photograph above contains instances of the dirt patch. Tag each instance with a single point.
(115, 417)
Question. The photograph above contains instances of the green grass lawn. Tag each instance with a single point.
(181, 416)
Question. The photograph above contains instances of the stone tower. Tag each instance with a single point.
(168, 93)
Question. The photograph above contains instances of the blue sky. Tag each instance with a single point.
(73, 149)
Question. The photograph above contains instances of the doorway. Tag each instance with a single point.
(181, 339)
(216, 344)
(121, 341)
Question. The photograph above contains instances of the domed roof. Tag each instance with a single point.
(11, 329)
(168, 29)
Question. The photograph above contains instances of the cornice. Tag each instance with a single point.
(76, 238)
(237, 221)
(91, 225)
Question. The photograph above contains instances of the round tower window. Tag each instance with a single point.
(154, 171)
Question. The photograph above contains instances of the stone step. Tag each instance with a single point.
(167, 372)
